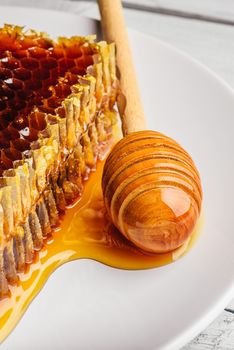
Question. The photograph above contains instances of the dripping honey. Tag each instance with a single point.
(85, 232)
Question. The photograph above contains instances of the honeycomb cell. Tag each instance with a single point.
(77, 70)
(7, 117)
(37, 52)
(5, 91)
(48, 63)
(11, 133)
(22, 73)
(56, 52)
(5, 73)
(2, 105)
(37, 121)
(14, 84)
(9, 63)
(13, 154)
(4, 143)
(30, 63)
(33, 85)
(16, 104)
(20, 144)
(20, 54)
(24, 94)
(5, 161)
(20, 122)
(40, 74)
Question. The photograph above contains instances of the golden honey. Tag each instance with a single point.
(85, 232)
(40, 124)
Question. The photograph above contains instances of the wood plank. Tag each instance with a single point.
(214, 8)
(210, 10)
(219, 335)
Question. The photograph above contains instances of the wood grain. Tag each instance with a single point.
(114, 30)
(218, 336)
(210, 10)
(152, 191)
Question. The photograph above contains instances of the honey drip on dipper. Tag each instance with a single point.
(85, 232)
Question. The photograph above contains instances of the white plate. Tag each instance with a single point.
(86, 305)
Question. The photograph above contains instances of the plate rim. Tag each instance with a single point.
(193, 330)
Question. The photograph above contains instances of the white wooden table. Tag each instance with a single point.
(205, 30)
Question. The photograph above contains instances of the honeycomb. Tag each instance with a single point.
(57, 108)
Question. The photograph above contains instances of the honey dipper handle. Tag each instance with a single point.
(129, 101)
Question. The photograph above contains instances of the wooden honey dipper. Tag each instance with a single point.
(151, 187)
